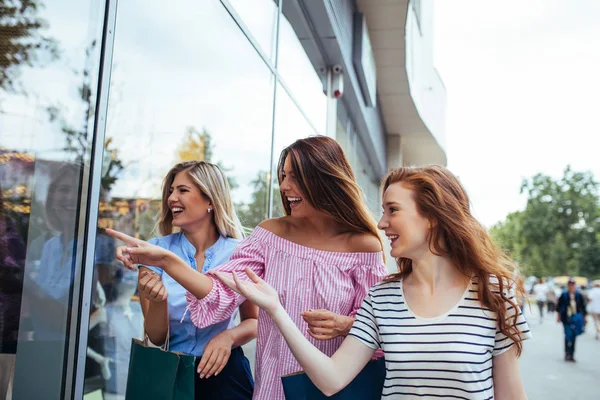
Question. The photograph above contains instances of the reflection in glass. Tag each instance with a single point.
(48, 75)
(175, 96)
(290, 125)
(260, 17)
(348, 139)
(300, 77)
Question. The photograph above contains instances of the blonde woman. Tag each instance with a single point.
(196, 200)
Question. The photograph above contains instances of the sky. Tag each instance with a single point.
(523, 93)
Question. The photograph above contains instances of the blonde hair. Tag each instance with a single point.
(66, 170)
(213, 185)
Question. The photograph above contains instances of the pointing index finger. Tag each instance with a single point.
(130, 241)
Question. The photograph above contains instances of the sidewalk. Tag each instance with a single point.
(546, 375)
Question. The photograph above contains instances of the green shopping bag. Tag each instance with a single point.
(159, 374)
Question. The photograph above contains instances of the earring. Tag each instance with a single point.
(209, 210)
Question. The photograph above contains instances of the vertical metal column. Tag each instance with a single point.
(81, 308)
(272, 170)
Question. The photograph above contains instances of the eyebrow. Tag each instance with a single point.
(390, 203)
(180, 186)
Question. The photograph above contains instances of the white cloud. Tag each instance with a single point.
(523, 84)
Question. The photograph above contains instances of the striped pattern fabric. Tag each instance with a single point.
(305, 278)
(449, 356)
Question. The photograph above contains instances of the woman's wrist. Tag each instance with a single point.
(169, 261)
(277, 314)
(344, 324)
(229, 335)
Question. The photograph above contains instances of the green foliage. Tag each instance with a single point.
(198, 146)
(557, 232)
(253, 213)
(22, 42)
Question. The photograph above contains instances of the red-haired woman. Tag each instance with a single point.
(448, 321)
(322, 257)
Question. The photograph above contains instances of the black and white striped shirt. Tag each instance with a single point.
(449, 356)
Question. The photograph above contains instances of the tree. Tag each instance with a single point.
(507, 235)
(197, 146)
(253, 213)
(111, 166)
(556, 233)
(76, 137)
(22, 40)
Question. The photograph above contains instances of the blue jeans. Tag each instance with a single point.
(569, 339)
(233, 383)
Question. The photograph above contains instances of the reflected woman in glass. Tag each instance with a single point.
(196, 200)
(322, 257)
(53, 281)
(48, 285)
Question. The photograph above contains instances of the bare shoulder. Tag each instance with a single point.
(364, 243)
(278, 226)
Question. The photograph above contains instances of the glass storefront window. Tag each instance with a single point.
(260, 17)
(186, 84)
(300, 77)
(175, 96)
(290, 125)
(48, 79)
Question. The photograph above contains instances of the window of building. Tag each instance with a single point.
(260, 18)
(300, 77)
(416, 5)
(47, 105)
(175, 96)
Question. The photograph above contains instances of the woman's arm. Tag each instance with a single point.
(246, 330)
(325, 324)
(198, 284)
(217, 351)
(330, 375)
(137, 252)
(155, 306)
(507, 377)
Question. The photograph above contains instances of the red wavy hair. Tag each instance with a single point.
(458, 236)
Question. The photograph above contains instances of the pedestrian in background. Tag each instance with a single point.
(572, 313)
(594, 304)
(552, 299)
(540, 291)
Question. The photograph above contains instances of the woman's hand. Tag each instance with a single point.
(216, 354)
(151, 288)
(137, 251)
(257, 291)
(325, 325)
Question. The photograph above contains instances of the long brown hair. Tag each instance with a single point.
(457, 235)
(327, 182)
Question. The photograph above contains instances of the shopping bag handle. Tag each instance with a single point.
(148, 342)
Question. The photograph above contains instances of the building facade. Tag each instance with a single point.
(99, 98)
